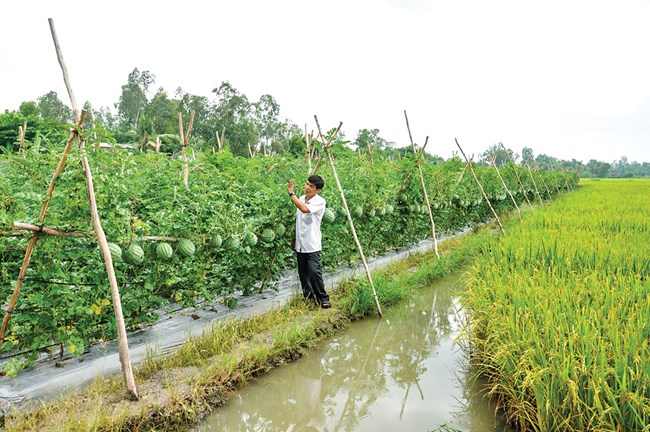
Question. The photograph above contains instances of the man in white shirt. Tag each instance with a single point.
(309, 214)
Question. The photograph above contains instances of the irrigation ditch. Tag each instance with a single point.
(273, 327)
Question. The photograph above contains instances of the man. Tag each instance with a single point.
(309, 214)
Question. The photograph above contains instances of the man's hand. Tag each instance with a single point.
(290, 186)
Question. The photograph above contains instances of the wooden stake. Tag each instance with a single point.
(326, 144)
(123, 347)
(534, 184)
(481, 187)
(21, 226)
(349, 216)
(543, 182)
(505, 186)
(514, 168)
(424, 188)
(308, 150)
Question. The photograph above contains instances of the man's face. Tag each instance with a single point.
(310, 189)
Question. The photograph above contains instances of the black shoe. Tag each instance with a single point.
(326, 305)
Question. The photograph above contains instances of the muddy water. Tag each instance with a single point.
(405, 372)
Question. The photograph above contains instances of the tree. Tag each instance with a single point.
(28, 109)
(265, 114)
(499, 152)
(133, 99)
(598, 169)
(232, 113)
(163, 113)
(527, 155)
(50, 107)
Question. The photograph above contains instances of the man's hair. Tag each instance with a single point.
(317, 181)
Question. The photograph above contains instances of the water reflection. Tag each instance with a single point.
(404, 372)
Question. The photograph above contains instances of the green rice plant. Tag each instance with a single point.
(559, 312)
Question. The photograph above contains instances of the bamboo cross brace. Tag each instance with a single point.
(123, 347)
(349, 217)
(481, 187)
(21, 226)
(534, 184)
(514, 168)
(424, 188)
(462, 173)
(505, 186)
(327, 144)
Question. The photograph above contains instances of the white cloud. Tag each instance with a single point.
(566, 78)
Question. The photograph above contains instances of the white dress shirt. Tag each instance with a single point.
(308, 235)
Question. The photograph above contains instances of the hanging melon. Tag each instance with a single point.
(133, 255)
(232, 243)
(116, 251)
(216, 241)
(186, 247)
(329, 215)
(250, 239)
(164, 251)
(267, 235)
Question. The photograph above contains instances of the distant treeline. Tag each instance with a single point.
(149, 119)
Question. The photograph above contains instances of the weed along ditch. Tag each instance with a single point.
(406, 372)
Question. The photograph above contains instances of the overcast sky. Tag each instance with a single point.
(567, 78)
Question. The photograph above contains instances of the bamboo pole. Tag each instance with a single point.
(481, 187)
(514, 168)
(348, 215)
(32, 241)
(534, 184)
(308, 150)
(505, 186)
(123, 347)
(325, 145)
(424, 188)
(548, 192)
(21, 138)
(21, 226)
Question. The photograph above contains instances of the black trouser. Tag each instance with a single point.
(311, 277)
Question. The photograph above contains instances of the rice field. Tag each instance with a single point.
(560, 312)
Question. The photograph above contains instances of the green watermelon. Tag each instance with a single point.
(267, 236)
(232, 242)
(382, 211)
(250, 239)
(280, 230)
(389, 209)
(372, 213)
(116, 251)
(216, 241)
(164, 251)
(403, 198)
(358, 211)
(134, 255)
(186, 247)
(329, 215)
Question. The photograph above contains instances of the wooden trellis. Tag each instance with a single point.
(75, 136)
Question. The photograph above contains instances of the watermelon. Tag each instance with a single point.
(250, 239)
(382, 211)
(116, 251)
(164, 251)
(403, 198)
(358, 211)
(267, 236)
(186, 247)
(329, 215)
(389, 209)
(280, 230)
(216, 241)
(372, 213)
(134, 255)
(232, 242)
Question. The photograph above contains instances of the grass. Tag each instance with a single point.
(178, 390)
